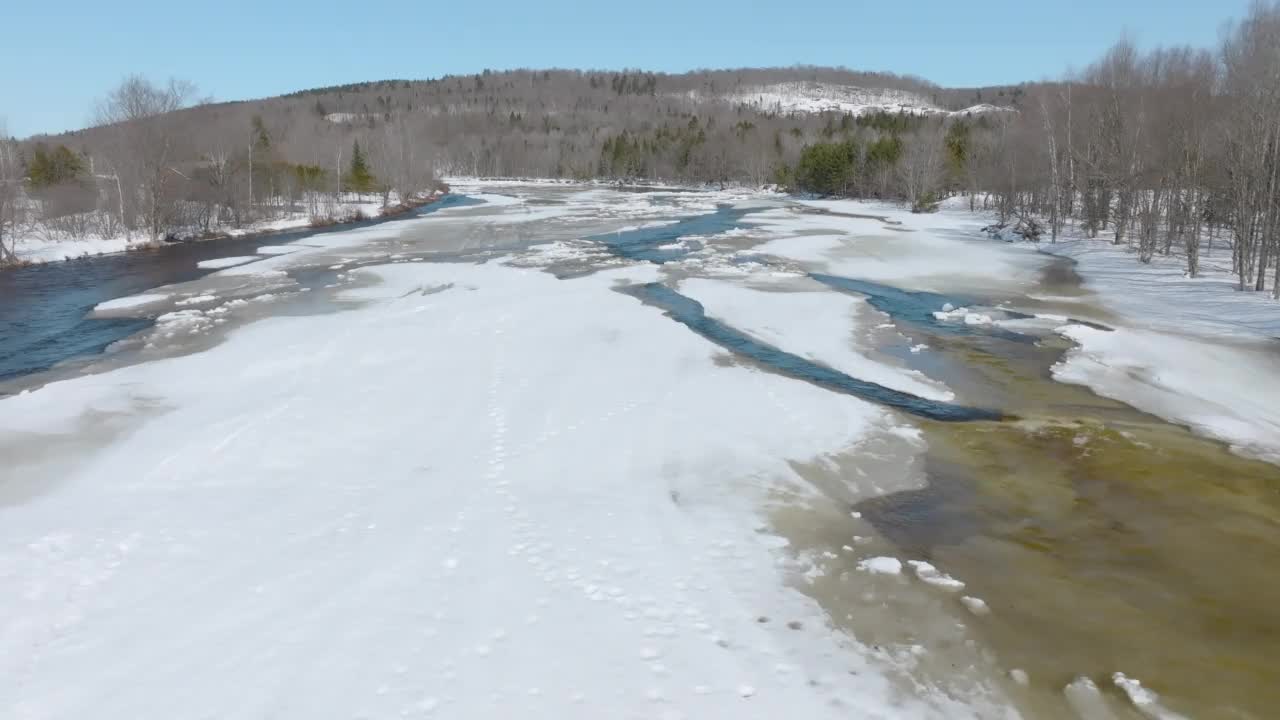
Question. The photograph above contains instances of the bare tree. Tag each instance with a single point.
(145, 150)
(10, 195)
(921, 167)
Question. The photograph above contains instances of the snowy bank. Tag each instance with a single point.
(421, 505)
(1217, 387)
(1160, 295)
(40, 247)
(811, 321)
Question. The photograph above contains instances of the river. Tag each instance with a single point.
(1101, 539)
(45, 308)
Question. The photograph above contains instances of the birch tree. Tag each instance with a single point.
(137, 116)
(921, 167)
(10, 195)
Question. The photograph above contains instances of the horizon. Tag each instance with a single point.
(275, 52)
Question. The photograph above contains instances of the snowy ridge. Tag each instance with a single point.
(813, 97)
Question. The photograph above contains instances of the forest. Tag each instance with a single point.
(1161, 150)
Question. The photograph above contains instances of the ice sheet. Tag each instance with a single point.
(817, 323)
(514, 492)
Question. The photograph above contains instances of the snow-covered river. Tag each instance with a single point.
(576, 452)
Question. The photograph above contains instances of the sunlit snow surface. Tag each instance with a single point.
(478, 491)
(818, 97)
(488, 487)
(1191, 351)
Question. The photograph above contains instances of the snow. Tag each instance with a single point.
(131, 302)
(38, 247)
(345, 117)
(812, 322)
(963, 314)
(277, 249)
(424, 504)
(1084, 697)
(1160, 295)
(881, 565)
(818, 97)
(1186, 350)
(493, 199)
(482, 487)
(1144, 700)
(977, 606)
(1218, 387)
(226, 262)
(938, 252)
(932, 576)
(179, 323)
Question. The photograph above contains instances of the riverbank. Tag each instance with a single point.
(740, 513)
(1134, 548)
(396, 505)
(1189, 350)
(32, 249)
(46, 308)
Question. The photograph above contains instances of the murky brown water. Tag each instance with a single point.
(1107, 546)
(1102, 539)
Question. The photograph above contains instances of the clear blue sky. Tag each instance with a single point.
(58, 56)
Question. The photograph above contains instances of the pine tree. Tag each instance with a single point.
(47, 168)
(359, 178)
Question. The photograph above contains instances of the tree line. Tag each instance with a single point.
(1162, 151)
(1166, 152)
(159, 162)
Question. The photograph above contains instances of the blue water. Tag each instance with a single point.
(691, 313)
(645, 243)
(43, 308)
(917, 307)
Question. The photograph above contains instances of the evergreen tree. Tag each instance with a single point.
(958, 149)
(826, 168)
(47, 168)
(261, 138)
(359, 178)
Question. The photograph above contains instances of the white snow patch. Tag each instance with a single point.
(818, 97)
(130, 302)
(226, 262)
(449, 426)
(1146, 701)
(1086, 700)
(821, 325)
(881, 565)
(278, 249)
(926, 251)
(1209, 385)
(964, 314)
(931, 575)
(1159, 295)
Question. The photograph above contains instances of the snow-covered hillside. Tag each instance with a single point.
(813, 97)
